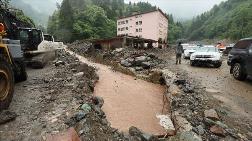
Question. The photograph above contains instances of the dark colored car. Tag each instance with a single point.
(240, 59)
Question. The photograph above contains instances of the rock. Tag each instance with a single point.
(166, 122)
(211, 114)
(180, 82)
(186, 136)
(125, 63)
(99, 112)
(80, 115)
(222, 125)
(140, 59)
(99, 101)
(218, 131)
(131, 60)
(138, 68)
(58, 63)
(200, 130)
(137, 134)
(7, 116)
(146, 65)
(69, 135)
(80, 74)
(86, 108)
(118, 50)
(152, 55)
(209, 122)
(133, 131)
(181, 123)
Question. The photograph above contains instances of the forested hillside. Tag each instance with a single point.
(89, 19)
(230, 20)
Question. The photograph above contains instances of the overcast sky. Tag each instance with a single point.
(182, 9)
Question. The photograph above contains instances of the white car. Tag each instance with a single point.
(190, 50)
(207, 55)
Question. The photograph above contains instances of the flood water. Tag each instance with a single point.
(129, 101)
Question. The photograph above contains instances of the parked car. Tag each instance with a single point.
(190, 50)
(207, 55)
(228, 49)
(240, 59)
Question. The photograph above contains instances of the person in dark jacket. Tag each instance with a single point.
(179, 51)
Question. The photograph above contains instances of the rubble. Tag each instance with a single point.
(7, 116)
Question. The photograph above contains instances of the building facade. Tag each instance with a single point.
(149, 25)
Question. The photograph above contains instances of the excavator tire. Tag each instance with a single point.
(20, 71)
(6, 83)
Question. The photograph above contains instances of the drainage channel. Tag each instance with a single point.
(129, 101)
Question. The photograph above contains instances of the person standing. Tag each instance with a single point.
(179, 51)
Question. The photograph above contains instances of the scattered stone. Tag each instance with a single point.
(80, 74)
(125, 63)
(146, 65)
(211, 114)
(200, 129)
(86, 108)
(98, 101)
(218, 131)
(7, 116)
(58, 63)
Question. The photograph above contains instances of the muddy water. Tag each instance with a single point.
(129, 101)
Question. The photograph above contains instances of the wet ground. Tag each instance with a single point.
(129, 101)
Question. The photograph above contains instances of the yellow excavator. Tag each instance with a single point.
(12, 68)
(6, 73)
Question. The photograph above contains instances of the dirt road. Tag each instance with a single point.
(129, 101)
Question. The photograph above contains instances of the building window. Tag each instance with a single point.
(127, 28)
(118, 29)
(127, 21)
(136, 23)
(140, 29)
(136, 30)
(119, 23)
(140, 22)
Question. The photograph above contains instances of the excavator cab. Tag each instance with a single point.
(30, 38)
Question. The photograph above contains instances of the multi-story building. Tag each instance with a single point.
(149, 25)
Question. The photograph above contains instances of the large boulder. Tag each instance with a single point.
(125, 63)
(140, 59)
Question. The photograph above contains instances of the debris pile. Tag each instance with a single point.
(191, 114)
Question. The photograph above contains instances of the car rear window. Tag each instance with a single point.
(243, 44)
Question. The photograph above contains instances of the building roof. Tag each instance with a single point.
(141, 13)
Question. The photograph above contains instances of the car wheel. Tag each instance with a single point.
(192, 63)
(238, 72)
(218, 65)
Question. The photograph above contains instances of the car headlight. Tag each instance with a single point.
(192, 57)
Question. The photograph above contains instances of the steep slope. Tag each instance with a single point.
(231, 19)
